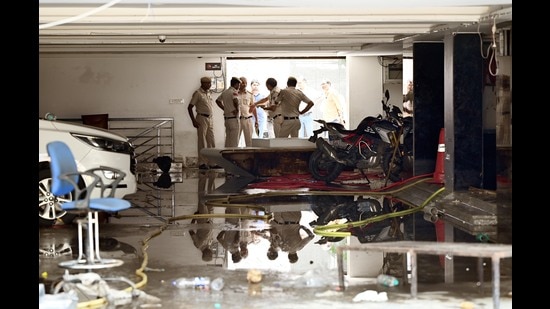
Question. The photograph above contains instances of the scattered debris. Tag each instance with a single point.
(371, 295)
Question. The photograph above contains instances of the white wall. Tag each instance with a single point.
(126, 86)
(365, 89)
(363, 264)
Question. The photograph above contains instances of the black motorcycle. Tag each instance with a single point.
(384, 141)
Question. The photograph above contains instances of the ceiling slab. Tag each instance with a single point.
(320, 28)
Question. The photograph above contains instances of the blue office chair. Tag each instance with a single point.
(65, 181)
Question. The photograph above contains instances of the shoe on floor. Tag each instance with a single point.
(203, 167)
(215, 166)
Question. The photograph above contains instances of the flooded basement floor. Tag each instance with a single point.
(156, 250)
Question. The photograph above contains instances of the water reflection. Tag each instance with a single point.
(231, 239)
(273, 233)
(253, 231)
(344, 209)
(269, 231)
(201, 230)
(261, 227)
(288, 235)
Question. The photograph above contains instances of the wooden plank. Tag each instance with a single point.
(438, 248)
(261, 162)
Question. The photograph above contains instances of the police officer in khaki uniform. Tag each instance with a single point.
(202, 101)
(228, 101)
(289, 100)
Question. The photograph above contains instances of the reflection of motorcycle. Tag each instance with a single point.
(377, 141)
(345, 208)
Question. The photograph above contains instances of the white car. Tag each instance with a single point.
(92, 147)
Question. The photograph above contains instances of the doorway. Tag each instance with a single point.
(309, 71)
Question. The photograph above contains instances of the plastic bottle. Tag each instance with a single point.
(217, 284)
(199, 283)
(387, 280)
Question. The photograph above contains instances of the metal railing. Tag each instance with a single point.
(152, 137)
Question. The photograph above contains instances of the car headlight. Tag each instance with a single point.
(106, 144)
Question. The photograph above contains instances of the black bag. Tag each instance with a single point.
(164, 163)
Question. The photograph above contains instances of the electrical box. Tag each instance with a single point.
(393, 70)
(213, 66)
(175, 101)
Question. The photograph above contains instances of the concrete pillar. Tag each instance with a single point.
(428, 78)
(463, 66)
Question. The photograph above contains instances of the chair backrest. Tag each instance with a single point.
(62, 162)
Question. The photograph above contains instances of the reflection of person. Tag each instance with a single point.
(273, 250)
(332, 107)
(274, 116)
(228, 101)
(234, 240)
(248, 118)
(286, 225)
(202, 234)
(408, 100)
(243, 247)
(290, 99)
(206, 184)
(202, 101)
(229, 239)
(287, 217)
(306, 119)
(262, 117)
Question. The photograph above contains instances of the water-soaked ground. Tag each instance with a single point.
(156, 251)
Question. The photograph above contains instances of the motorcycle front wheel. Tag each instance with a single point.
(324, 168)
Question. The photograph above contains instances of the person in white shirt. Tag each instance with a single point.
(262, 115)
(274, 114)
(408, 101)
(332, 107)
(249, 117)
(306, 120)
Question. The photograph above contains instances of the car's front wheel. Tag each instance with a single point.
(49, 206)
